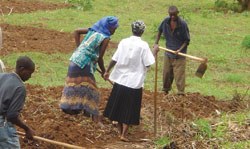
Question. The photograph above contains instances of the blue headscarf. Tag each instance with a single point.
(103, 25)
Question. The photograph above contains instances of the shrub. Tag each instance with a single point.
(220, 5)
(246, 42)
(234, 5)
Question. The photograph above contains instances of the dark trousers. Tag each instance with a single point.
(174, 69)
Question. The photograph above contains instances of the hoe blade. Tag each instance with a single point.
(201, 70)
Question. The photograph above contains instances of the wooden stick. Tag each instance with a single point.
(183, 54)
(53, 142)
(155, 96)
(101, 73)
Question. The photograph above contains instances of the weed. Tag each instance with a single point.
(51, 101)
(163, 141)
(220, 131)
(246, 42)
(203, 126)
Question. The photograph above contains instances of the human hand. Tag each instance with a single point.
(156, 48)
(178, 51)
(29, 134)
(106, 76)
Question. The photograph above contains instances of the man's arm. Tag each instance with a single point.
(77, 33)
(180, 49)
(16, 104)
(17, 121)
(156, 46)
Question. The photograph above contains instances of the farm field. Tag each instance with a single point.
(213, 114)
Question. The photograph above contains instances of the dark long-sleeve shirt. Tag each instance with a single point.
(12, 95)
(180, 35)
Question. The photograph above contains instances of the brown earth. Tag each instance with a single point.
(7, 7)
(42, 114)
(26, 39)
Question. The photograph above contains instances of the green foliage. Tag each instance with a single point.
(203, 126)
(237, 145)
(220, 131)
(81, 4)
(246, 42)
(245, 4)
(163, 141)
(225, 6)
(220, 5)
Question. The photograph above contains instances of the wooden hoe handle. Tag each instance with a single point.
(101, 73)
(54, 142)
(183, 54)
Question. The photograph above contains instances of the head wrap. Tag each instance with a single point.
(103, 25)
(138, 27)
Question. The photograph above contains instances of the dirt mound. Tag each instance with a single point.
(26, 6)
(194, 105)
(25, 39)
(42, 113)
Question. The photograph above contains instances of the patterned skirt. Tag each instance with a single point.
(124, 105)
(80, 92)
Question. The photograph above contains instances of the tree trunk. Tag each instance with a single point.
(245, 4)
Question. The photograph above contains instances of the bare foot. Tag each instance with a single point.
(101, 125)
(124, 139)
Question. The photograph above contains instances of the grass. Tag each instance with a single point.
(221, 130)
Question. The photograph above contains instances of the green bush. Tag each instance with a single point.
(225, 6)
(246, 42)
(220, 5)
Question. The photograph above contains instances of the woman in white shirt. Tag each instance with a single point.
(131, 60)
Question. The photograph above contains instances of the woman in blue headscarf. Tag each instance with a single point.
(80, 92)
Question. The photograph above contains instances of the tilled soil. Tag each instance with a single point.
(26, 39)
(43, 114)
(7, 7)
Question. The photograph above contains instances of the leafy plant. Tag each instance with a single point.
(81, 4)
(204, 127)
(220, 5)
(163, 141)
(234, 5)
(220, 131)
(246, 42)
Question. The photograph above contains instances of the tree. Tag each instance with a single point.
(245, 4)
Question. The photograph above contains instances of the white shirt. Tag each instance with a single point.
(132, 57)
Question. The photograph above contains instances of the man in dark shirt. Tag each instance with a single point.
(176, 33)
(12, 99)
